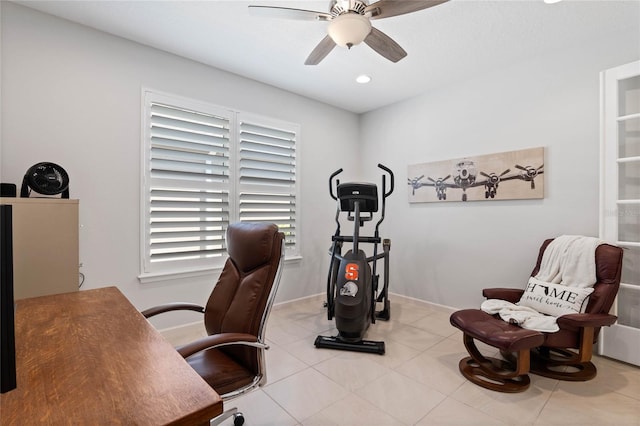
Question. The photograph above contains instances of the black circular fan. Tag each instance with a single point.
(45, 179)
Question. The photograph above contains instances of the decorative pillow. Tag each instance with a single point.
(554, 299)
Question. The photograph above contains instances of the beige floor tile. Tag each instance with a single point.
(395, 354)
(437, 323)
(457, 335)
(437, 367)
(616, 376)
(282, 333)
(407, 314)
(413, 337)
(314, 305)
(352, 411)
(352, 370)
(513, 408)
(584, 404)
(453, 413)
(305, 393)
(288, 315)
(401, 397)
(281, 364)
(317, 324)
(305, 351)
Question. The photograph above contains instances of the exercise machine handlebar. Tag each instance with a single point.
(388, 170)
(334, 174)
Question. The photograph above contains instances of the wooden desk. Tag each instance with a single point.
(91, 358)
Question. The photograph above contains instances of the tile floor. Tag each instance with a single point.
(417, 381)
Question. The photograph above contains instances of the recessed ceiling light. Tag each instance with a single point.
(552, 1)
(363, 79)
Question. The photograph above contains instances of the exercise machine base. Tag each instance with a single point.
(368, 346)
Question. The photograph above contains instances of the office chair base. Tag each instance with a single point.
(367, 346)
(238, 418)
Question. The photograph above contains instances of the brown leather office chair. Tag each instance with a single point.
(231, 358)
(566, 354)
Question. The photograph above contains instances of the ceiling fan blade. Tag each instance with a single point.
(384, 45)
(387, 8)
(321, 50)
(288, 13)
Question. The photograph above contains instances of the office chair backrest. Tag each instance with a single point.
(608, 261)
(241, 299)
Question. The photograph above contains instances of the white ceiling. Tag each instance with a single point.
(445, 43)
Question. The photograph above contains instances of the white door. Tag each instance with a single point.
(620, 202)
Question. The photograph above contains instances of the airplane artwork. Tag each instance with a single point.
(495, 171)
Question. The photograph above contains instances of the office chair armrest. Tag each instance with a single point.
(512, 295)
(222, 339)
(147, 313)
(585, 320)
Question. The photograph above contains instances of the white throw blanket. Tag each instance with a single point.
(567, 260)
(523, 316)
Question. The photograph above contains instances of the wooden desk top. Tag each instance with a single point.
(90, 357)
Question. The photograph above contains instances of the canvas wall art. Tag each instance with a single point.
(513, 175)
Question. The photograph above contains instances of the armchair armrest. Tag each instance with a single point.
(222, 339)
(512, 295)
(585, 320)
(147, 313)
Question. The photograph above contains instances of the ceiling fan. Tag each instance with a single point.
(350, 24)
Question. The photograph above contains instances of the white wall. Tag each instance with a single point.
(446, 253)
(72, 95)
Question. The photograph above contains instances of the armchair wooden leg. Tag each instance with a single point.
(564, 364)
(493, 373)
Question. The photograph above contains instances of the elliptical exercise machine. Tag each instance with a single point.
(352, 284)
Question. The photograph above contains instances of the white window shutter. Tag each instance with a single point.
(267, 174)
(187, 187)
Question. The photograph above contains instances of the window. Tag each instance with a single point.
(203, 168)
(267, 175)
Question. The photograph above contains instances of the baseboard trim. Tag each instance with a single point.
(424, 303)
(314, 297)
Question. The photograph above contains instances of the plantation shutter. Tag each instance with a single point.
(187, 205)
(267, 174)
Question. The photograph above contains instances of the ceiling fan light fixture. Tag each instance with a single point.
(349, 29)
